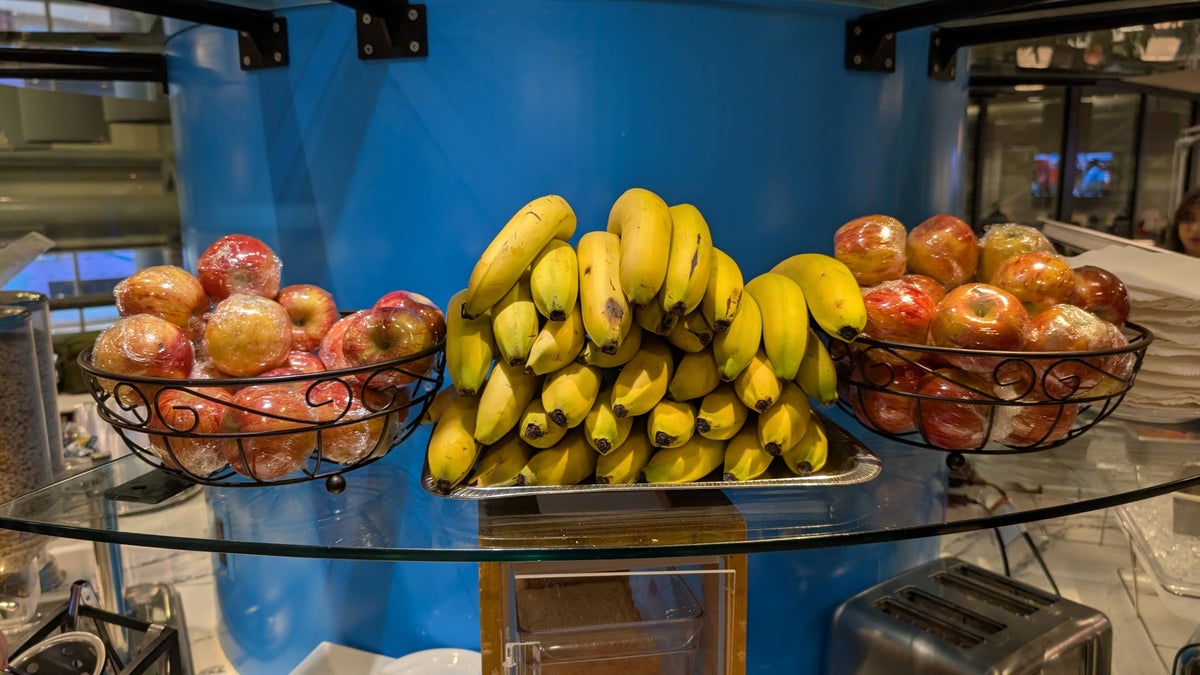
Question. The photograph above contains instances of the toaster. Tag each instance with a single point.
(948, 617)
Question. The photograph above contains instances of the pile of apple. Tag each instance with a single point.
(940, 286)
(232, 320)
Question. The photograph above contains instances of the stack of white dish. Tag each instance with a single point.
(1164, 290)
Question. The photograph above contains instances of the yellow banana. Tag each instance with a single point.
(724, 292)
(554, 280)
(452, 446)
(438, 405)
(695, 376)
(501, 463)
(592, 355)
(809, 455)
(606, 314)
(536, 428)
(643, 222)
(691, 333)
(643, 381)
(469, 347)
(689, 462)
(567, 463)
(503, 400)
(556, 345)
(757, 386)
(833, 295)
(670, 424)
(745, 457)
(508, 255)
(515, 324)
(785, 324)
(818, 375)
(689, 261)
(722, 414)
(569, 392)
(603, 430)
(784, 424)
(652, 317)
(735, 347)
(625, 464)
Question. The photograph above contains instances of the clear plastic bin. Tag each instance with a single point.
(625, 624)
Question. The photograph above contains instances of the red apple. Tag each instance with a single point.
(346, 443)
(421, 305)
(330, 351)
(897, 311)
(196, 411)
(204, 369)
(978, 316)
(238, 263)
(166, 291)
(248, 334)
(305, 362)
(944, 248)
(1067, 328)
(872, 247)
(269, 408)
(949, 425)
(1118, 368)
(882, 411)
(1040, 280)
(312, 311)
(1001, 242)
(1030, 425)
(142, 345)
(385, 334)
(928, 284)
(284, 371)
(1102, 293)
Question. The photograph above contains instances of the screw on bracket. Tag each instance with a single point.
(392, 33)
(869, 47)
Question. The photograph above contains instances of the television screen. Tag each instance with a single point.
(1093, 174)
(1045, 174)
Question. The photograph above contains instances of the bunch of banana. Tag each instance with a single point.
(834, 298)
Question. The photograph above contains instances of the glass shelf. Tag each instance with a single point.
(384, 514)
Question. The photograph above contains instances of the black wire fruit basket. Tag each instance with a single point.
(273, 430)
(975, 401)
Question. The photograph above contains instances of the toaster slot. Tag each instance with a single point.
(1010, 605)
(955, 635)
(1006, 587)
(948, 612)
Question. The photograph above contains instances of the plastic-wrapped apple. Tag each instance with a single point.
(1118, 368)
(247, 335)
(897, 311)
(945, 422)
(1067, 328)
(269, 408)
(305, 362)
(312, 311)
(166, 291)
(348, 442)
(883, 411)
(1025, 426)
(385, 334)
(872, 247)
(420, 304)
(944, 248)
(239, 263)
(142, 345)
(1040, 280)
(330, 350)
(978, 316)
(928, 284)
(1102, 293)
(194, 411)
(1001, 242)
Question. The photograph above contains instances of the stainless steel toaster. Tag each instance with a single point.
(948, 617)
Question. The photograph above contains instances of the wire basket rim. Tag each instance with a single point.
(1142, 339)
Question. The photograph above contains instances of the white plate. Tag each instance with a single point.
(436, 662)
(334, 659)
(1136, 413)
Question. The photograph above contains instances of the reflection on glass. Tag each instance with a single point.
(1102, 168)
(1165, 119)
(1022, 140)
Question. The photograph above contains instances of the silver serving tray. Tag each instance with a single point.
(849, 463)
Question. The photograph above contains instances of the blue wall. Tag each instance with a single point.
(372, 176)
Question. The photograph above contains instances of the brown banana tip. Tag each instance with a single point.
(602, 480)
(721, 325)
(517, 361)
(773, 449)
(762, 404)
(702, 425)
(609, 347)
(463, 313)
(602, 445)
(804, 469)
(663, 439)
(677, 309)
(847, 333)
(620, 410)
(705, 339)
(521, 480)
(558, 417)
(533, 432)
(558, 315)
(466, 392)
(729, 478)
(442, 486)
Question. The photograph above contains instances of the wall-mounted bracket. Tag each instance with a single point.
(869, 47)
(390, 29)
(943, 57)
(264, 46)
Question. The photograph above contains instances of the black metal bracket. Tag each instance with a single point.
(264, 46)
(83, 65)
(943, 56)
(389, 29)
(869, 48)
